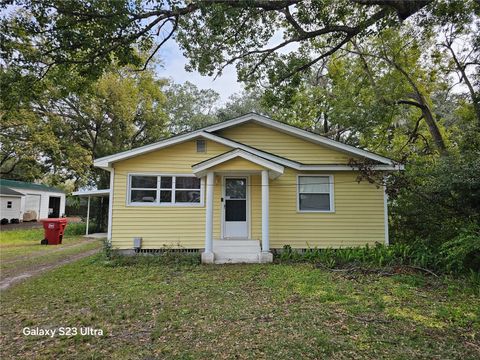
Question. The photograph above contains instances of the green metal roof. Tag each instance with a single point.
(28, 186)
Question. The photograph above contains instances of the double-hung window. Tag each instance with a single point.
(315, 193)
(164, 190)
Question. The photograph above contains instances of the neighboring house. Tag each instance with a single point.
(237, 189)
(44, 200)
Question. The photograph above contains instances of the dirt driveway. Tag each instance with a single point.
(23, 260)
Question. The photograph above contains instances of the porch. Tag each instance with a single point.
(237, 190)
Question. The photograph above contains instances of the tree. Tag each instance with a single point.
(122, 110)
(85, 36)
(242, 103)
(188, 107)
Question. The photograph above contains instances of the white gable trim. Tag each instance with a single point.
(106, 162)
(301, 134)
(275, 170)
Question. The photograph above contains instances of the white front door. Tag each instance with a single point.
(235, 222)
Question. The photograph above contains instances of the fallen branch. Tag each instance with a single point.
(422, 269)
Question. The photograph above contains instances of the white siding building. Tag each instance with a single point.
(17, 197)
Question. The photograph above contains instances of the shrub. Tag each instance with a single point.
(107, 249)
(14, 221)
(463, 251)
(379, 255)
(75, 229)
(4, 221)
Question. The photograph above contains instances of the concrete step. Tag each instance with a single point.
(236, 257)
(236, 242)
(236, 247)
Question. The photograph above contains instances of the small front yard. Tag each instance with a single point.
(150, 310)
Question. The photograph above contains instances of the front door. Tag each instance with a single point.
(235, 208)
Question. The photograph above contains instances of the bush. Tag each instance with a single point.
(463, 251)
(379, 255)
(4, 221)
(75, 229)
(14, 221)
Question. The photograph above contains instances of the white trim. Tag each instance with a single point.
(105, 162)
(385, 215)
(265, 212)
(209, 213)
(299, 133)
(331, 193)
(157, 189)
(248, 206)
(15, 196)
(88, 215)
(102, 192)
(110, 205)
(276, 170)
(348, 167)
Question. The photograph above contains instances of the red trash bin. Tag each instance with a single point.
(54, 229)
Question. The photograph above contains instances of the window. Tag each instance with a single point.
(315, 193)
(9, 204)
(201, 146)
(165, 190)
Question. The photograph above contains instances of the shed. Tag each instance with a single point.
(10, 203)
(46, 201)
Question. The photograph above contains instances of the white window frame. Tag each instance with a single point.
(331, 193)
(157, 189)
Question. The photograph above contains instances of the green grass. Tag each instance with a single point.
(20, 250)
(281, 311)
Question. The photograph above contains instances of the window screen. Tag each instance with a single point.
(201, 146)
(314, 193)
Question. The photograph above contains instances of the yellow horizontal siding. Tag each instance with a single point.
(237, 164)
(285, 145)
(357, 220)
(160, 226)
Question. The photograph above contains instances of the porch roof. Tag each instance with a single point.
(84, 193)
(274, 169)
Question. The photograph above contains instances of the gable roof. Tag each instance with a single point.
(301, 133)
(207, 132)
(9, 192)
(28, 186)
(275, 169)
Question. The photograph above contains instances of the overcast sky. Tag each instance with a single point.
(174, 67)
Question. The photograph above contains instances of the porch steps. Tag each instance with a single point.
(236, 251)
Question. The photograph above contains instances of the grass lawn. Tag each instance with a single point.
(280, 311)
(20, 250)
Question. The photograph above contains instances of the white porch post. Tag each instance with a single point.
(207, 255)
(88, 215)
(266, 256)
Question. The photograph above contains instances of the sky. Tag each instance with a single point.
(173, 66)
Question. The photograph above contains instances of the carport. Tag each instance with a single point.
(89, 194)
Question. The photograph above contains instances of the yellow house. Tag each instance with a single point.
(238, 189)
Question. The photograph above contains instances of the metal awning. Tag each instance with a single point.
(85, 193)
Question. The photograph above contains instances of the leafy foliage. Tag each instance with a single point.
(463, 251)
(378, 255)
